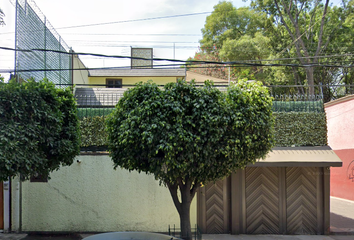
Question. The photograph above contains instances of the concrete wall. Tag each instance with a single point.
(92, 197)
(131, 80)
(340, 125)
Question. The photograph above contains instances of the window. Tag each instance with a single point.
(38, 178)
(114, 83)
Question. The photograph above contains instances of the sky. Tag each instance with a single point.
(170, 37)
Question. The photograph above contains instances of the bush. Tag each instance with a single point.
(39, 129)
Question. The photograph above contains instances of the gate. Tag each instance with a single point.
(267, 200)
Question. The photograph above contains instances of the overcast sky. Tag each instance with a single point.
(175, 37)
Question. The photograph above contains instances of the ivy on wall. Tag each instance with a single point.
(300, 129)
(291, 129)
(93, 131)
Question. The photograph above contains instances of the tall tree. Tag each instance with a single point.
(188, 136)
(311, 24)
(295, 32)
(236, 35)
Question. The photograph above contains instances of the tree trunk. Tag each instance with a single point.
(183, 205)
(310, 80)
(185, 220)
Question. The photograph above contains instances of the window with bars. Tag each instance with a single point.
(114, 83)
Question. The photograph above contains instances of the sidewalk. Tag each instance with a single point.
(342, 216)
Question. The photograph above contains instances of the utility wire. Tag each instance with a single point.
(135, 20)
(246, 62)
(131, 20)
(211, 64)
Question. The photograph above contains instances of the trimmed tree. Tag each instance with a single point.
(187, 136)
(39, 130)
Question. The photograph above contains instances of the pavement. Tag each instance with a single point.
(342, 228)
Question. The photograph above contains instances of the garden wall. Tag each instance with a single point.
(92, 197)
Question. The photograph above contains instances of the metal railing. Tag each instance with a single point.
(176, 232)
(102, 104)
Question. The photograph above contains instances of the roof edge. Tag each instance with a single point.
(339, 100)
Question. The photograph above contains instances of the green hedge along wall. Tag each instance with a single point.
(300, 129)
(291, 129)
(278, 106)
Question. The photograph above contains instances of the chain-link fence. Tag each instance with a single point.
(41, 52)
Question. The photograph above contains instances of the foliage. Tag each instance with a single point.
(186, 136)
(93, 131)
(214, 70)
(39, 129)
(300, 129)
(227, 22)
(92, 112)
(304, 112)
(313, 34)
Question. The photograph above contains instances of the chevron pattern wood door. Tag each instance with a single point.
(215, 213)
(267, 200)
(301, 190)
(262, 200)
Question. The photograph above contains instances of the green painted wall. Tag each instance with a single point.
(92, 197)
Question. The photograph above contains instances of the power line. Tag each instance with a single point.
(212, 64)
(131, 20)
(135, 34)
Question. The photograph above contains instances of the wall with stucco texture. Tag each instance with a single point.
(340, 122)
(92, 197)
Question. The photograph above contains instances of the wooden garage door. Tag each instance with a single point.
(262, 200)
(214, 207)
(302, 201)
(267, 200)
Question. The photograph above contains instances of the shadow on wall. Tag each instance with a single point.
(338, 221)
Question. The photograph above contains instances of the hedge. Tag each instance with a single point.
(300, 129)
(278, 106)
(93, 112)
(291, 129)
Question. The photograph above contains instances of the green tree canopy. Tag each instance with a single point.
(39, 129)
(187, 136)
(310, 38)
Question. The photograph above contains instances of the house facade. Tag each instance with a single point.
(286, 193)
(340, 122)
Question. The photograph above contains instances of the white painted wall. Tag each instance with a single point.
(15, 204)
(92, 197)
